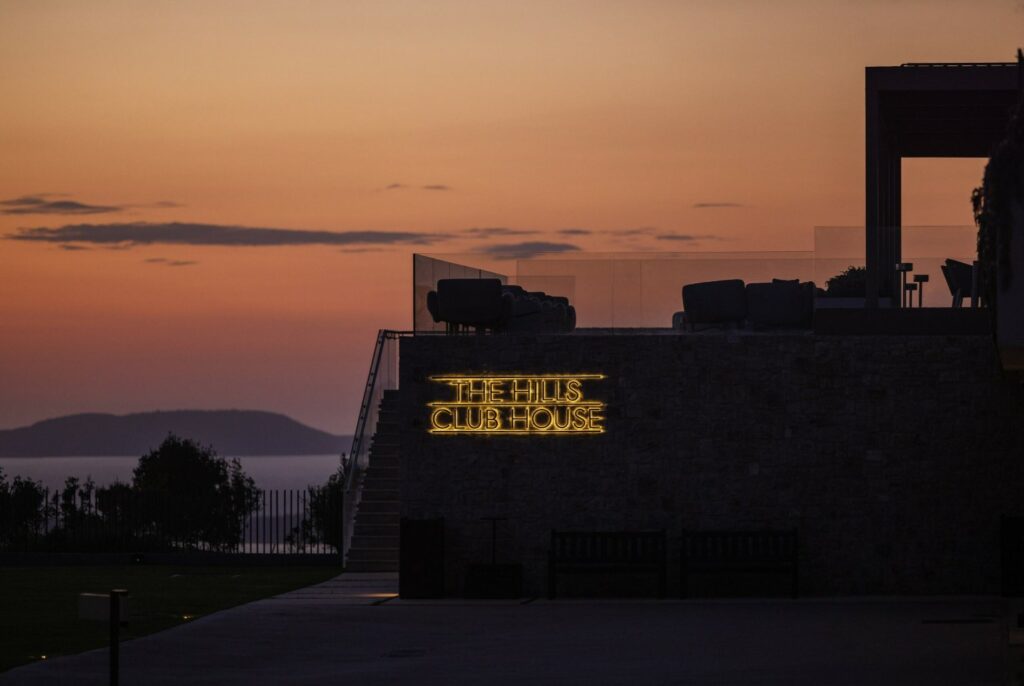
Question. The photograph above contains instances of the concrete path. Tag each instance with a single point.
(354, 588)
(347, 631)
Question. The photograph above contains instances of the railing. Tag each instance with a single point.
(383, 375)
(293, 522)
(958, 64)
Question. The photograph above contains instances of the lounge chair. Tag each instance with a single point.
(960, 279)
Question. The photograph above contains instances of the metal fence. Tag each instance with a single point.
(303, 522)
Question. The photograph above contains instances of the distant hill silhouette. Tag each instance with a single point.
(230, 432)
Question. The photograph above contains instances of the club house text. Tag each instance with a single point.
(517, 404)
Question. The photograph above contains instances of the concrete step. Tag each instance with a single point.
(371, 566)
(363, 554)
(361, 542)
(385, 454)
(384, 463)
(382, 483)
(389, 530)
(375, 471)
(388, 506)
(371, 494)
(367, 517)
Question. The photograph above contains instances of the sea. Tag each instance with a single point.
(268, 471)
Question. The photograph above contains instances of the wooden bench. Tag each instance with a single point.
(739, 551)
(606, 552)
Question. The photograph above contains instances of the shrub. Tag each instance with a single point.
(850, 283)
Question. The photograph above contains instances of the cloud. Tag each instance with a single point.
(170, 263)
(526, 249)
(685, 237)
(42, 203)
(490, 231)
(361, 250)
(425, 187)
(176, 233)
(575, 232)
(639, 231)
(71, 246)
(716, 205)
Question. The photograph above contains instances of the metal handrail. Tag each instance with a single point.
(364, 409)
(958, 64)
(372, 394)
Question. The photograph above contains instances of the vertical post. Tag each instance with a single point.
(115, 638)
(494, 542)
(871, 183)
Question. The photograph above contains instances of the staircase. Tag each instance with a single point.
(374, 545)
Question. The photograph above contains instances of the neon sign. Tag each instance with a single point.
(517, 404)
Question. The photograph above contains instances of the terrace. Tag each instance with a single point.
(744, 396)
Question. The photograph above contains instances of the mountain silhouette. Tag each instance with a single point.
(230, 432)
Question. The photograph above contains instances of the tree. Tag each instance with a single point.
(323, 522)
(22, 508)
(849, 283)
(193, 497)
(1002, 188)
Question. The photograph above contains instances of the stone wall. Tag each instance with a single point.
(893, 456)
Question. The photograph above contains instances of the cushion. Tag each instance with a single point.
(715, 302)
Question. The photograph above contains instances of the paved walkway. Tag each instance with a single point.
(352, 630)
(348, 589)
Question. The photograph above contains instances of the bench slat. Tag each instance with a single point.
(606, 551)
(730, 551)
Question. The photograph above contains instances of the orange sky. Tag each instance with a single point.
(299, 115)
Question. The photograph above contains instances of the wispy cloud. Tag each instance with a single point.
(492, 231)
(685, 237)
(638, 231)
(425, 187)
(170, 263)
(575, 232)
(716, 205)
(176, 233)
(361, 250)
(526, 249)
(44, 203)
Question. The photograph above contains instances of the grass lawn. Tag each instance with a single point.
(39, 605)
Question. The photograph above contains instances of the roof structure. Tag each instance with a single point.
(924, 110)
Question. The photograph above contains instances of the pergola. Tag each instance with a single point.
(924, 110)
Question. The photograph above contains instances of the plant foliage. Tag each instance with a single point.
(850, 283)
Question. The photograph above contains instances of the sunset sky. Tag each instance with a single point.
(365, 131)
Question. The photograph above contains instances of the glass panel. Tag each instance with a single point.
(625, 290)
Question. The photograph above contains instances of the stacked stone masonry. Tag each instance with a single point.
(894, 456)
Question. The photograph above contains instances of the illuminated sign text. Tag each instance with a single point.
(517, 404)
